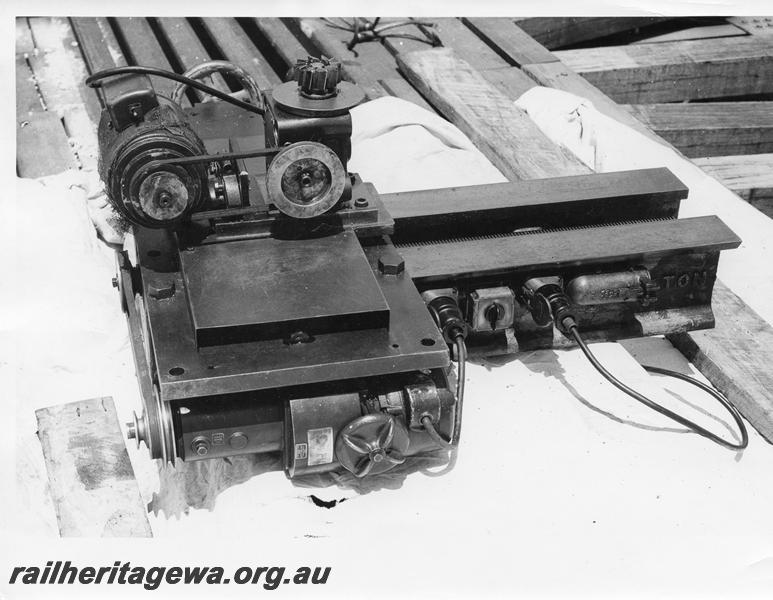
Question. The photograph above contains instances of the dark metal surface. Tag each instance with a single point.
(411, 343)
(269, 288)
(288, 97)
(552, 251)
(552, 202)
(312, 425)
(228, 427)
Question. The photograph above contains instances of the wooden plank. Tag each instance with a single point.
(188, 50)
(397, 86)
(282, 40)
(237, 47)
(28, 99)
(695, 33)
(752, 394)
(455, 35)
(556, 32)
(509, 41)
(760, 26)
(504, 133)
(511, 81)
(735, 357)
(24, 42)
(749, 176)
(146, 50)
(42, 147)
(711, 128)
(676, 71)
(89, 473)
(98, 43)
(60, 72)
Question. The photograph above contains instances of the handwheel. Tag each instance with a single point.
(372, 444)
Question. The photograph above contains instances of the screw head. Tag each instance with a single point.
(361, 202)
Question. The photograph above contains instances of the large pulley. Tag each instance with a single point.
(305, 180)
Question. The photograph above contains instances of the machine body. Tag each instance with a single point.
(278, 303)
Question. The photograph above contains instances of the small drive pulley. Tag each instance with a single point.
(305, 180)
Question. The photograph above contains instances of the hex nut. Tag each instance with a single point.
(391, 263)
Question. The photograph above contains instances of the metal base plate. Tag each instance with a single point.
(412, 341)
(272, 288)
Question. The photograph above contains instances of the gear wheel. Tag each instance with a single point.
(318, 77)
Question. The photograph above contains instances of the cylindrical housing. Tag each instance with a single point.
(147, 194)
(608, 288)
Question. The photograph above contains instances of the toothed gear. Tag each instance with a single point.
(318, 77)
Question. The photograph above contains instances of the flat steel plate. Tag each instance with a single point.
(412, 341)
(269, 288)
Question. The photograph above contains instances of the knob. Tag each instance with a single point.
(318, 77)
(238, 440)
(494, 313)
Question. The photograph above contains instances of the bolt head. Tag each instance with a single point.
(391, 263)
(200, 446)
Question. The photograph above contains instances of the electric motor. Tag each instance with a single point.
(145, 193)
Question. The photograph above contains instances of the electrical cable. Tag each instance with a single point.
(94, 80)
(426, 420)
(461, 361)
(571, 326)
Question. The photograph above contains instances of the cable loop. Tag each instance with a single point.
(572, 326)
(94, 80)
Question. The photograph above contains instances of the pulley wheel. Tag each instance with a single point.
(156, 428)
(163, 196)
(305, 180)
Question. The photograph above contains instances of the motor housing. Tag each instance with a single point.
(147, 194)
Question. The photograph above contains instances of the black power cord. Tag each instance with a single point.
(426, 421)
(570, 325)
(94, 81)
